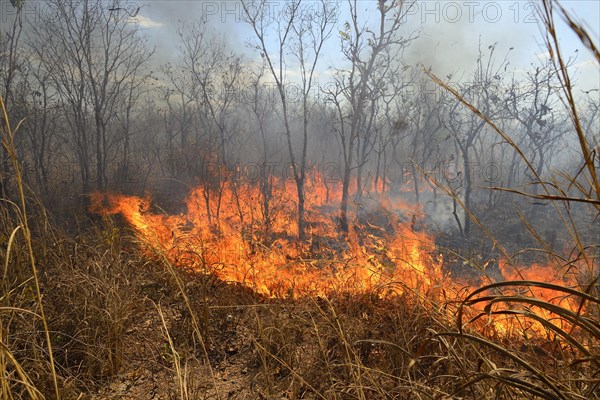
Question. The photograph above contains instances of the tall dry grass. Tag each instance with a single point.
(9, 364)
(65, 303)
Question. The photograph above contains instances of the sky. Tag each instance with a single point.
(449, 31)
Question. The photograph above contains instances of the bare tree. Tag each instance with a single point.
(215, 74)
(303, 30)
(533, 104)
(370, 54)
(9, 65)
(207, 80)
(179, 120)
(262, 103)
(424, 135)
(466, 127)
(41, 124)
(94, 54)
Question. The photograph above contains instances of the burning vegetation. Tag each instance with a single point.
(225, 233)
(379, 254)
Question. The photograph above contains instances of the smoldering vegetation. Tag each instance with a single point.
(313, 213)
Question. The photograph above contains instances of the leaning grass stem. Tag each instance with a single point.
(552, 43)
(195, 323)
(176, 358)
(540, 375)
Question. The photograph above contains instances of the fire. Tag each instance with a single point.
(224, 232)
(246, 233)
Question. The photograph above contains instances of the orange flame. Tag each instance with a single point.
(225, 234)
(230, 231)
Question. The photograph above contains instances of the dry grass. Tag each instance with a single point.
(116, 321)
(8, 362)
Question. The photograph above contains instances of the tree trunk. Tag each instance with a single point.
(345, 194)
(301, 200)
(468, 189)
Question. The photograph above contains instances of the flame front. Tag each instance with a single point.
(224, 233)
(231, 231)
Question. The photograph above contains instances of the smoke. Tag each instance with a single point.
(451, 34)
(223, 18)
